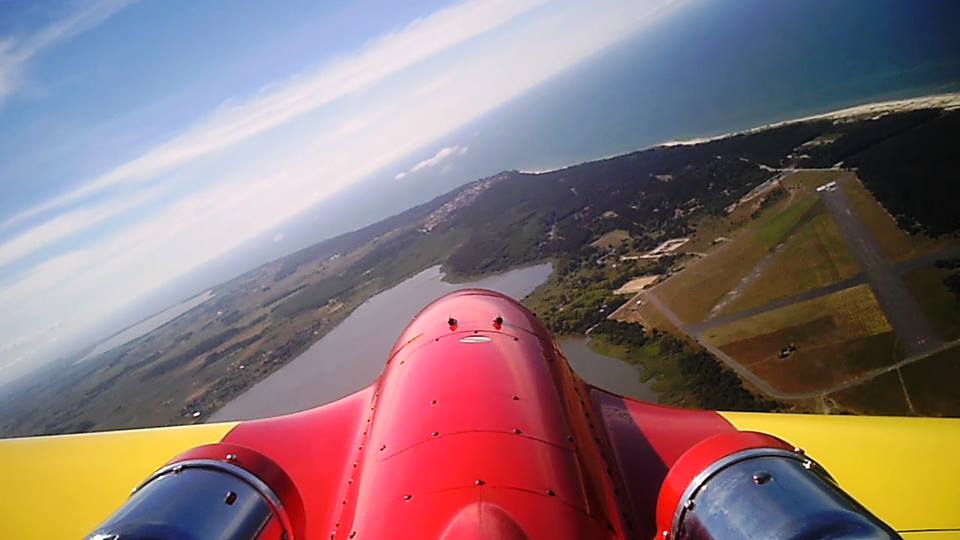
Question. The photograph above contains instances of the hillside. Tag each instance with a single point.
(596, 220)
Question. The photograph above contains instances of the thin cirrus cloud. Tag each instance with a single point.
(16, 53)
(235, 123)
(240, 190)
(67, 225)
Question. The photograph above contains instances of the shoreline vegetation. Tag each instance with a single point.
(593, 220)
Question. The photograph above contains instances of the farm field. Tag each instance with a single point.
(937, 302)
(803, 297)
(836, 337)
(932, 383)
(883, 394)
(853, 312)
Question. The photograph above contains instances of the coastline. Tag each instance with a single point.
(946, 101)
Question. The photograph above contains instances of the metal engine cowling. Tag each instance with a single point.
(214, 491)
(753, 485)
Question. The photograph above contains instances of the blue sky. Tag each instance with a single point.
(139, 140)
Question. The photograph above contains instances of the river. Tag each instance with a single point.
(353, 354)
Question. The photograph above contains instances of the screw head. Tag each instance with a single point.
(689, 504)
(231, 457)
(478, 482)
(762, 477)
(407, 497)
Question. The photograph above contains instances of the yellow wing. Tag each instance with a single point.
(64, 486)
(905, 470)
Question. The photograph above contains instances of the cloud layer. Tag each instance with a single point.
(255, 161)
(16, 53)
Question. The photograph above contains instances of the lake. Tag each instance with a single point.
(605, 372)
(353, 354)
(147, 325)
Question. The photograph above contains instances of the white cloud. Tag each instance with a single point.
(236, 122)
(242, 192)
(15, 53)
(66, 225)
(433, 86)
(278, 237)
(442, 155)
(437, 158)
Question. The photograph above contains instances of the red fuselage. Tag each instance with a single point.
(477, 428)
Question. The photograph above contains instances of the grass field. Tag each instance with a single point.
(815, 368)
(883, 394)
(809, 181)
(934, 383)
(898, 245)
(703, 283)
(815, 255)
(849, 313)
(837, 337)
(612, 239)
(937, 302)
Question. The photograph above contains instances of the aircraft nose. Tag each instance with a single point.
(481, 521)
(470, 310)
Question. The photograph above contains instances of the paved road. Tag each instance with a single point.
(709, 324)
(926, 260)
(901, 308)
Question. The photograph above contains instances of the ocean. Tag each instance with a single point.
(711, 67)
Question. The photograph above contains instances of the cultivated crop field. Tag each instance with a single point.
(935, 299)
(836, 338)
(847, 314)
